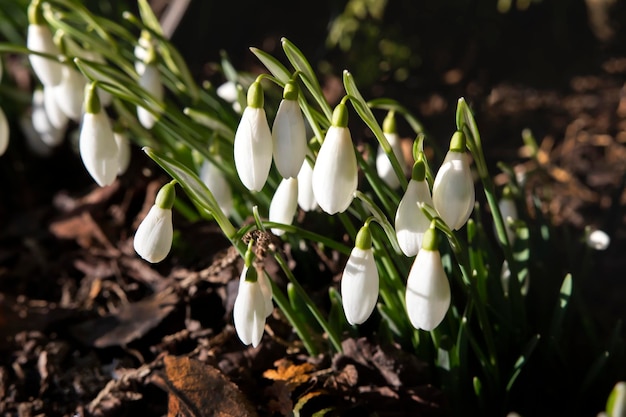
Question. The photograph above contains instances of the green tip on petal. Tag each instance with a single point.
(35, 14)
(430, 241)
(389, 124)
(419, 170)
(166, 196)
(255, 95)
(291, 91)
(457, 143)
(92, 102)
(363, 239)
(252, 275)
(340, 116)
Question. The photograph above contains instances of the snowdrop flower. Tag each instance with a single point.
(383, 164)
(411, 222)
(598, 240)
(289, 134)
(153, 239)
(253, 142)
(70, 92)
(39, 39)
(96, 144)
(150, 80)
(508, 209)
(4, 132)
(48, 133)
(359, 282)
(229, 92)
(57, 118)
(453, 189)
(427, 288)
(616, 403)
(306, 198)
(123, 149)
(284, 203)
(251, 305)
(335, 175)
(215, 181)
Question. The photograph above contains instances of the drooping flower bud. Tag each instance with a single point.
(383, 164)
(335, 176)
(453, 189)
(57, 118)
(253, 142)
(284, 203)
(616, 403)
(215, 181)
(48, 133)
(427, 287)
(289, 134)
(150, 80)
(39, 39)
(359, 282)
(97, 145)
(4, 132)
(253, 303)
(411, 222)
(306, 197)
(153, 239)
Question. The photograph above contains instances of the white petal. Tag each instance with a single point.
(228, 92)
(453, 190)
(153, 239)
(266, 289)
(284, 203)
(383, 164)
(598, 240)
(253, 148)
(70, 92)
(359, 286)
(123, 149)
(335, 176)
(214, 179)
(427, 291)
(411, 222)
(289, 139)
(98, 148)
(4, 132)
(56, 116)
(39, 39)
(306, 198)
(150, 80)
(249, 313)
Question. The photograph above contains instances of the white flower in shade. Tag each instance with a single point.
(289, 134)
(39, 39)
(598, 240)
(253, 142)
(48, 133)
(57, 118)
(306, 197)
(97, 145)
(70, 92)
(383, 164)
(123, 148)
(4, 132)
(411, 222)
(335, 176)
(453, 189)
(150, 80)
(215, 181)
(508, 209)
(616, 403)
(153, 239)
(284, 203)
(250, 309)
(427, 288)
(359, 282)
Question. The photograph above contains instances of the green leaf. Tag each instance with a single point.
(390, 104)
(565, 295)
(528, 349)
(277, 69)
(211, 122)
(148, 17)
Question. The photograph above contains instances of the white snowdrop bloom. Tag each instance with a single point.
(284, 203)
(453, 188)
(124, 152)
(250, 310)
(335, 175)
(427, 287)
(266, 288)
(48, 133)
(508, 209)
(359, 282)
(253, 142)
(150, 80)
(33, 140)
(228, 92)
(39, 39)
(306, 197)
(598, 240)
(57, 118)
(411, 222)
(96, 144)
(383, 164)
(70, 92)
(153, 239)
(616, 403)
(4, 132)
(215, 181)
(289, 134)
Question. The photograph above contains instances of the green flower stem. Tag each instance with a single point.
(308, 235)
(390, 104)
(381, 219)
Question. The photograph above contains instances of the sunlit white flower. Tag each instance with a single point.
(284, 203)
(97, 145)
(250, 310)
(598, 240)
(39, 39)
(33, 140)
(427, 287)
(616, 403)
(123, 148)
(289, 134)
(48, 133)
(508, 209)
(306, 197)
(57, 118)
(153, 239)
(453, 189)
(359, 282)
(215, 181)
(383, 164)
(4, 132)
(335, 176)
(253, 142)
(266, 287)
(411, 222)
(70, 92)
